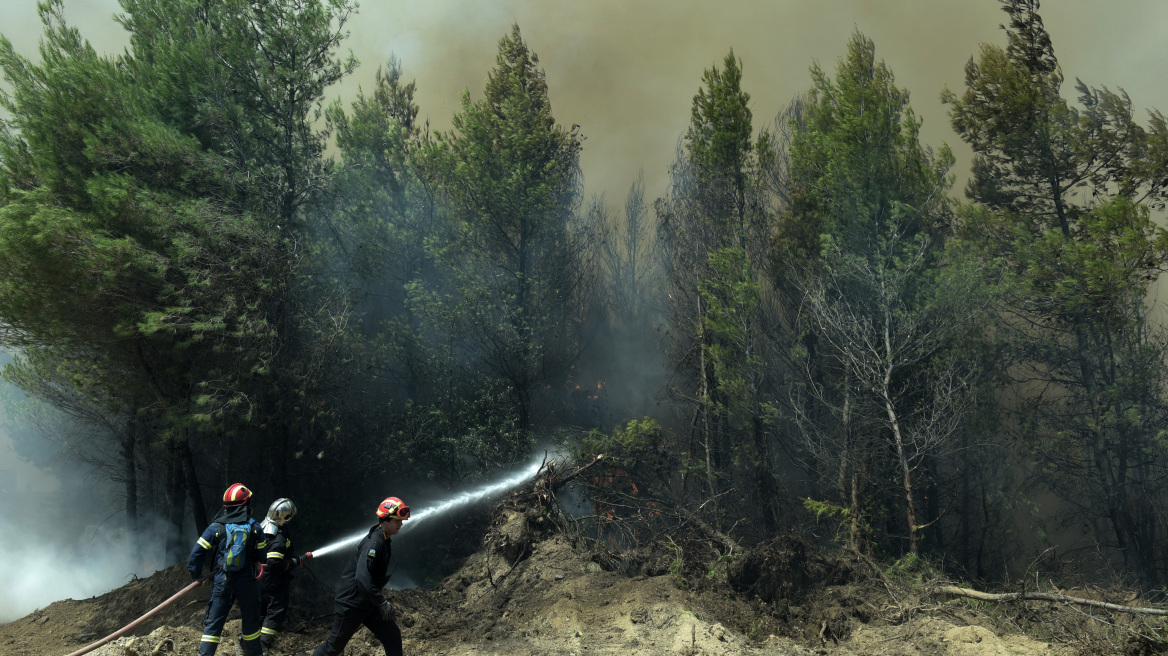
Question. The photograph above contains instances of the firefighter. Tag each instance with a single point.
(238, 546)
(277, 576)
(359, 599)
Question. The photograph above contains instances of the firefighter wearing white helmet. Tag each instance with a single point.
(277, 576)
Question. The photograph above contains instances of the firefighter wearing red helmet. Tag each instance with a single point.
(237, 546)
(359, 599)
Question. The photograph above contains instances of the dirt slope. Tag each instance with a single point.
(520, 595)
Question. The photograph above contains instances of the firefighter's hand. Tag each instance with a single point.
(201, 579)
(386, 609)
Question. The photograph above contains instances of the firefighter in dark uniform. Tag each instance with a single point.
(359, 599)
(234, 573)
(277, 576)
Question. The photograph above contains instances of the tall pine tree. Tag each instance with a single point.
(1061, 191)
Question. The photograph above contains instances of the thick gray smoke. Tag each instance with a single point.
(626, 72)
(63, 528)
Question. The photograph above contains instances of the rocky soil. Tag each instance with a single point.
(525, 595)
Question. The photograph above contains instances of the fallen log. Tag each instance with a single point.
(723, 539)
(1047, 596)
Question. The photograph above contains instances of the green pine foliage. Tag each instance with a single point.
(884, 308)
(113, 237)
(152, 209)
(191, 275)
(1061, 192)
(515, 254)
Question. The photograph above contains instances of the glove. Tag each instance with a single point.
(200, 579)
(386, 609)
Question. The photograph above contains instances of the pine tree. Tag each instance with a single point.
(864, 244)
(713, 231)
(1062, 193)
(511, 175)
(130, 223)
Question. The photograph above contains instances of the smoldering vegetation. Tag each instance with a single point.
(810, 337)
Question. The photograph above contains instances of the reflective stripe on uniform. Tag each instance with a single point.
(251, 636)
(204, 544)
(267, 631)
(263, 544)
(275, 554)
(210, 638)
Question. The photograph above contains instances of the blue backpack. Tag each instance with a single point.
(235, 546)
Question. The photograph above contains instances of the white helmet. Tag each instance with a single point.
(280, 512)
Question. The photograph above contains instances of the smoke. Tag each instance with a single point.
(626, 72)
(63, 529)
(71, 561)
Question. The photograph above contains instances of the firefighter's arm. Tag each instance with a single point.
(295, 561)
(203, 546)
(278, 559)
(259, 544)
(366, 560)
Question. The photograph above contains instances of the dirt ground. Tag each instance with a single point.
(520, 595)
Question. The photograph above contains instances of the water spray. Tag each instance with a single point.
(444, 507)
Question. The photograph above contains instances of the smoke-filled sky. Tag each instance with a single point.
(627, 70)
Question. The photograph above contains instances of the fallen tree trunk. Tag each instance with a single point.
(723, 539)
(1047, 596)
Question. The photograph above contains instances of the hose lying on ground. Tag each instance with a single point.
(129, 627)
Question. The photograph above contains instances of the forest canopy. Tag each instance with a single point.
(218, 273)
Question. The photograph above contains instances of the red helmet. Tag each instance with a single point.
(236, 495)
(393, 508)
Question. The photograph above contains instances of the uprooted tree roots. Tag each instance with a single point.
(638, 533)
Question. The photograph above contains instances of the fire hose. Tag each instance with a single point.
(129, 627)
(132, 625)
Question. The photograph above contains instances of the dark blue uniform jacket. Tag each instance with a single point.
(257, 545)
(367, 572)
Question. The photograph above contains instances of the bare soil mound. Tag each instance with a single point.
(67, 625)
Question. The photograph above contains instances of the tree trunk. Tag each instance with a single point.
(702, 399)
(764, 477)
(177, 502)
(190, 476)
(280, 467)
(905, 466)
(906, 481)
(1049, 596)
(130, 460)
(854, 515)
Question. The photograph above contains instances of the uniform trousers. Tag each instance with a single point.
(230, 588)
(348, 620)
(274, 610)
